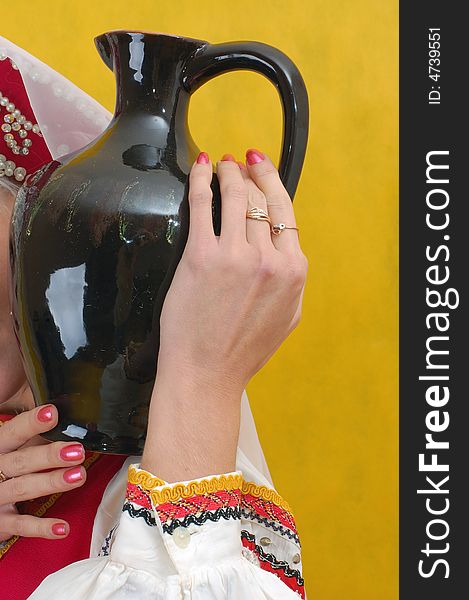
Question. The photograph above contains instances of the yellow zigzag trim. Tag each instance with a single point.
(261, 491)
(143, 478)
(196, 488)
(180, 490)
(205, 486)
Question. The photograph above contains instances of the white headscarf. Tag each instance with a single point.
(69, 119)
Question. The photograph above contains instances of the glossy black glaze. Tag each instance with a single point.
(97, 235)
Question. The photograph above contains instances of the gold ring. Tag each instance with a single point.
(279, 227)
(3, 477)
(258, 214)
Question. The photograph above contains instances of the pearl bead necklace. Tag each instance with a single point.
(14, 122)
(60, 89)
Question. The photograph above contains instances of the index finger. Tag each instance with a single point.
(17, 431)
(200, 200)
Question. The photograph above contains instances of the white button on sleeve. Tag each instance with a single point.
(181, 537)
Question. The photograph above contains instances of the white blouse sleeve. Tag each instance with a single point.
(195, 539)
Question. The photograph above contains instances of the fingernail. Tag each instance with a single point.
(45, 414)
(228, 157)
(59, 529)
(202, 159)
(73, 452)
(241, 165)
(254, 156)
(73, 475)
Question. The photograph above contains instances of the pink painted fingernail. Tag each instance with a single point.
(73, 452)
(241, 165)
(73, 475)
(45, 414)
(254, 156)
(59, 529)
(203, 159)
(228, 158)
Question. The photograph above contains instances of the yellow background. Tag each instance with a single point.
(326, 404)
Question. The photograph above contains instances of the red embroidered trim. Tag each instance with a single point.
(209, 502)
(265, 508)
(168, 511)
(134, 493)
(275, 567)
(198, 504)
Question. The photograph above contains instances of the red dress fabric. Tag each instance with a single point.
(25, 562)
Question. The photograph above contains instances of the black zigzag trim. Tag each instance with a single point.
(274, 562)
(229, 512)
(251, 516)
(139, 512)
(105, 547)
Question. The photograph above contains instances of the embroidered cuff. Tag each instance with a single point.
(199, 519)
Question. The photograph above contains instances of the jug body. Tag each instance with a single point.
(97, 235)
(94, 247)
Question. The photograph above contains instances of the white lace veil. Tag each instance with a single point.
(69, 119)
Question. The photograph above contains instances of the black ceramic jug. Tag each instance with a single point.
(96, 236)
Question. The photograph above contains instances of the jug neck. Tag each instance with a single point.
(148, 68)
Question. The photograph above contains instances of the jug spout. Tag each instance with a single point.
(104, 48)
(148, 68)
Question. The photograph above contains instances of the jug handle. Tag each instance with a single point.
(213, 59)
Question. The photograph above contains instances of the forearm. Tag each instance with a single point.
(193, 428)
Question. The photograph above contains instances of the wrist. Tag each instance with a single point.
(193, 426)
(188, 378)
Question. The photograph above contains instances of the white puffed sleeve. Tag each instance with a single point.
(186, 540)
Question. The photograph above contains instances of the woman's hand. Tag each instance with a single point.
(23, 456)
(232, 301)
